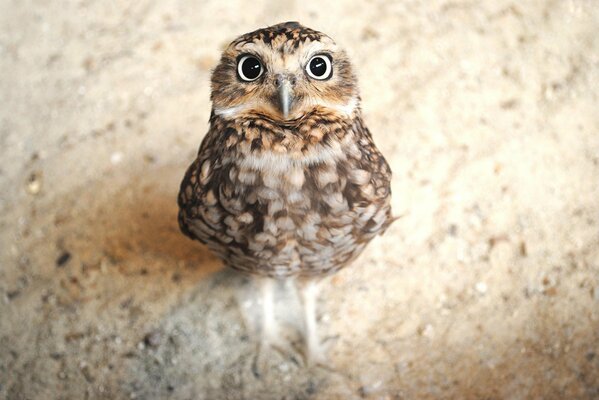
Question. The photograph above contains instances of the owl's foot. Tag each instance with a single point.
(316, 354)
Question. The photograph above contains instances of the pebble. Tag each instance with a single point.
(153, 339)
(283, 367)
(116, 158)
(522, 249)
(372, 388)
(34, 183)
(428, 331)
(86, 371)
(452, 230)
(481, 287)
(63, 258)
(11, 294)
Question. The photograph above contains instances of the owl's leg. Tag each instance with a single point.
(309, 293)
(270, 338)
(269, 333)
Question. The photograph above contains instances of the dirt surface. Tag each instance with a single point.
(486, 288)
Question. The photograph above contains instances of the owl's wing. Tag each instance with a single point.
(187, 197)
(212, 208)
(199, 212)
(371, 198)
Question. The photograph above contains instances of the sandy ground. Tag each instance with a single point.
(487, 288)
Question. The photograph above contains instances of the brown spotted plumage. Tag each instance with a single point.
(288, 180)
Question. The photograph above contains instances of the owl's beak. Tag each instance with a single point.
(285, 96)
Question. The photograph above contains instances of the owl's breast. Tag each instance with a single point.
(269, 207)
(280, 214)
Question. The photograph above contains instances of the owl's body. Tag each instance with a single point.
(288, 181)
(302, 199)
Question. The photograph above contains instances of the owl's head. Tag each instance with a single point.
(283, 73)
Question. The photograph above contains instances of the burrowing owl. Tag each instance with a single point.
(287, 181)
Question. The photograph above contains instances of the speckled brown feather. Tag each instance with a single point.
(290, 32)
(279, 198)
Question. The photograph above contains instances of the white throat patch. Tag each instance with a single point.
(346, 109)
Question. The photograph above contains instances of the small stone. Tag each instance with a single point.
(153, 339)
(311, 388)
(34, 183)
(481, 287)
(126, 303)
(11, 294)
(116, 158)
(367, 390)
(508, 104)
(283, 367)
(86, 371)
(63, 258)
(428, 331)
(523, 250)
(452, 230)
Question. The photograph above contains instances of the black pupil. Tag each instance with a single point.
(318, 66)
(251, 68)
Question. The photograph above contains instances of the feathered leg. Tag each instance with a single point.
(269, 334)
(309, 289)
(268, 328)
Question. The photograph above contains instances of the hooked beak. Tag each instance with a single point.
(285, 96)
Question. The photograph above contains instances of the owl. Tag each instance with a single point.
(287, 182)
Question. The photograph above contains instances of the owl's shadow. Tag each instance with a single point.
(131, 224)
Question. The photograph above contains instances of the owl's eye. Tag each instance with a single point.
(319, 67)
(249, 68)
